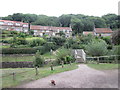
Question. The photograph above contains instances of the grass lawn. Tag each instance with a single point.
(48, 56)
(25, 58)
(17, 58)
(28, 76)
(103, 66)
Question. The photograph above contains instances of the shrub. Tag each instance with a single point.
(41, 49)
(57, 40)
(36, 42)
(115, 37)
(64, 55)
(10, 35)
(5, 32)
(97, 48)
(18, 51)
(107, 39)
(20, 41)
(38, 59)
(13, 32)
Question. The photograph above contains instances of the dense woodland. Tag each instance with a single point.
(78, 22)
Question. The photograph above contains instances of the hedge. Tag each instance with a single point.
(19, 51)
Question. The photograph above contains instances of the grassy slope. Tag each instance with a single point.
(103, 66)
(30, 75)
(25, 58)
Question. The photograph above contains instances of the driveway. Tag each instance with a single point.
(83, 77)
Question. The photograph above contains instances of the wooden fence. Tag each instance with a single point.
(103, 59)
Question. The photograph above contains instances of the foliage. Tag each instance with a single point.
(64, 55)
(61, 33)
(59, 41)
(111, 20)
(107, 39)
(36, 42)
(97, 48)
(116, 37)
(38, 59)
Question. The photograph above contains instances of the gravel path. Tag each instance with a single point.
(83, 77)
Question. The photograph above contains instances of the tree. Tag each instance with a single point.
(97, 48)
(38, 59)
(61, 33)
(116, 37)
(65, 20)
(111, 20)
(77, 25)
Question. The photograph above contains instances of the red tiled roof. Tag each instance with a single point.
(103, 30)
(37, 27)
(8, 21)
(88, 32)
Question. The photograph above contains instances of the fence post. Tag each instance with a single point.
(36, 70)
(70, 62)
(13, 75)
(62, 64)
(116, 59)
(51, 67)
(97, 60)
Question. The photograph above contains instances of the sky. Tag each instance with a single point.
(59, 7)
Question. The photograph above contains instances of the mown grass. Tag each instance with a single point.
(103, 66)
(25, 58)
(17, 58)
(25, 77)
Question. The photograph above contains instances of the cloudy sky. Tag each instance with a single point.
(59, 7)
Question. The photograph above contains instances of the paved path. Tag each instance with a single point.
(83, 77)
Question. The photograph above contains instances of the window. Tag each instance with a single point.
(47, 31)
(10, 23)
(17, 29)
(35, 30)
(18, 24)
(25, 25)
(1, 23)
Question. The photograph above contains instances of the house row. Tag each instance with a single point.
(38, 30)
(99, 32)
(49, 30)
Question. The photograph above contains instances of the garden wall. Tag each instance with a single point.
(17, 65)
(20, 64)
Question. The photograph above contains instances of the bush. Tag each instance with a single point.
(20, 41)
(5, 32)
(10, 35)
(18, 51)
(36, 42)
(97, 48)
(107, 39)
(13, 32)
(115, 37)
(38, 59)
(64, 55)
(59, 41)
(41, 49)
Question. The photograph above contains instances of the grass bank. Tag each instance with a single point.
(20, 58)
(103, 66)
(25, 75)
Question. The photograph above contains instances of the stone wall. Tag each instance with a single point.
(20, 64)
(17, 65)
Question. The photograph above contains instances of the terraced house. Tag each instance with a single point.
(38, 30)
(99, 32)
